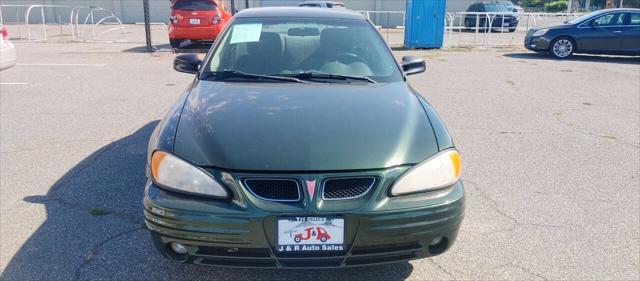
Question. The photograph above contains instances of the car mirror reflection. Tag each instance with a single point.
(413, 65)
(188, 63)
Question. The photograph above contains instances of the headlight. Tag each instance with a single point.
(439, 171)
(172, 172)
(540, 32)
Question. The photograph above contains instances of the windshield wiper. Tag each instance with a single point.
(320, 75)
(232, 73)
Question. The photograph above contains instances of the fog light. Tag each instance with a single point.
(435, 241)
(178, 248)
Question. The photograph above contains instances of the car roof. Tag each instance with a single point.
(616, 10)
(298, 12)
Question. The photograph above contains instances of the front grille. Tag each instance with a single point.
(346, 188)
(275, 189)
(261, 257)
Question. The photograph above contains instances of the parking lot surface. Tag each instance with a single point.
(551, 164)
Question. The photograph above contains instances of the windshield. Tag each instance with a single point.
(195, 5)
(495, 8)
(583, 17)
(290, 46)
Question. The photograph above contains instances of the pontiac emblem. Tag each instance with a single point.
(311, 185)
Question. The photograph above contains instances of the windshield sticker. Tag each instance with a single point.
(249, 32)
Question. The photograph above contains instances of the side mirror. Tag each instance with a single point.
(188, 63)
(413, 65)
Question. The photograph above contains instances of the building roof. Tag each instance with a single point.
(299, 12)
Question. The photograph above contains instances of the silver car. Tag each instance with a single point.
(7, 50)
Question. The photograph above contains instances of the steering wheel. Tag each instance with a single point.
(347, 58)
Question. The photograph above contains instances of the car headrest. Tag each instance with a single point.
(270, 44)
(336, 39)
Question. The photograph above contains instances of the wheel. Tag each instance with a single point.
(175, 43)
(562, 47)
(297, 239)
(323, 239)
(512, 30)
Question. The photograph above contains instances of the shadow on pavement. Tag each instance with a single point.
(578, 57)
(189, 47)
(94, 230)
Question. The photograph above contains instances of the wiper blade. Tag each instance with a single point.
(320, 75)
(232, 73)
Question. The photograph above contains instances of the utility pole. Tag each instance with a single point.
(246, 4)
(233, 7)
(147, 25)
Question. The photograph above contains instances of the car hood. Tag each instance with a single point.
(303, 127)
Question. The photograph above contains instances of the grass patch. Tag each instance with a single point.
(510, 82)
(587, 103)
(610, 137)
(98, 212)
(170, 84)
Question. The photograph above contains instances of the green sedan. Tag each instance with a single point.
(300, 144)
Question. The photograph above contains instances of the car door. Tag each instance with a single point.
(631, 33)
(601, 34)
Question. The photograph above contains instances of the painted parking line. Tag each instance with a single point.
(14, 83)
(61, 64)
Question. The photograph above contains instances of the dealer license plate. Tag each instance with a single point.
(310, 234)
(194, 21)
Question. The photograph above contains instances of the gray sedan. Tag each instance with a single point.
(610, 31)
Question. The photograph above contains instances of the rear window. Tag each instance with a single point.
(195, 5)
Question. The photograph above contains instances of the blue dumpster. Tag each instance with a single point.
(424, 23)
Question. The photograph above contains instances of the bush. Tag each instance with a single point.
(556, 6)
(530, 3)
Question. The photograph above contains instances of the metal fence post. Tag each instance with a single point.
(147, 25)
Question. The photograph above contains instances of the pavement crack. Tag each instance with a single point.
(529, 271)
(98, 247)
(586, 132)
(85, 208)
(441, 268)
(494, 205)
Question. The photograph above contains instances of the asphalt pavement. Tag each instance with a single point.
(551, 164)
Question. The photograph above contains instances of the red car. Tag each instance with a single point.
(319, 233)
(196, 20)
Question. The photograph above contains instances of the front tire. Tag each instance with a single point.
(175, 43)
(562, 48)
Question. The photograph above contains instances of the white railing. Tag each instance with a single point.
(385, 19)
(95, 16)
(495, 29)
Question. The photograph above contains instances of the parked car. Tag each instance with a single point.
(196, 20)
(610, 31)
(322, 4)
(301, 118)
(486, 16)
(7, 50)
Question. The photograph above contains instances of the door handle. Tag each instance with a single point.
(617, 31)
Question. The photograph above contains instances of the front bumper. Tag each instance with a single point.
(537, 43)
(242, 235)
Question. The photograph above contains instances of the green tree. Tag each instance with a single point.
(556, 6)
